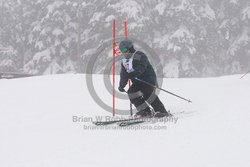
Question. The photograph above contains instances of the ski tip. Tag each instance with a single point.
(123, 124)
(97, 123)
(100, 123)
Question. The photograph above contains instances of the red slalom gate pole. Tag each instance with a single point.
(129, 82)
(113, 66)
(125, 29)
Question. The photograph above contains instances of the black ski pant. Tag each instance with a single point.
(141, 93)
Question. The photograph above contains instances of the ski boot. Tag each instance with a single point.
(160, 114)
(144, 113)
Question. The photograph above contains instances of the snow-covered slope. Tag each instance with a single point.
(37, 129)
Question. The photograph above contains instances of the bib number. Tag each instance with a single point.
(128, 65)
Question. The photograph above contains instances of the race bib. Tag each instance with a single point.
(128, 65)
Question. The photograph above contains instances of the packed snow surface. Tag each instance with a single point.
(37, 127)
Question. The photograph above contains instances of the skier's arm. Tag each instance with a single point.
(123, 77)
(140, 69)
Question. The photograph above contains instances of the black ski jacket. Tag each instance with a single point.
(142, 69)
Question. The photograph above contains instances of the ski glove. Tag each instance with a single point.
(121, 89)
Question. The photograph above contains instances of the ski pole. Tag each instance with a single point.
(244, 74)
(164, 90)
(131, 109)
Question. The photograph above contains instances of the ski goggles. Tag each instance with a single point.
(124, 50)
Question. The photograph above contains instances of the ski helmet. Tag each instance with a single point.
(125, 45)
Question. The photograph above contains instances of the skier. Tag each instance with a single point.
(136, 66)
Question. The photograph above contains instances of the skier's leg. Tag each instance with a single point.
(136, 98)
(151, 97)
(158, 105)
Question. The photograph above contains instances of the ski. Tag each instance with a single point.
(127, 123)
(105, 123)
(100, 123)
(141, 120)
(147, 119)
(138, 120)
